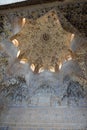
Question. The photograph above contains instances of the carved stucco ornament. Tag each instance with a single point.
(79, 51)
(43, 41)
(81, 57)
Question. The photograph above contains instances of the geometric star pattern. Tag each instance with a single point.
(43, 42)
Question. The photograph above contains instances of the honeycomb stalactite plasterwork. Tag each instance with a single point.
(81, 57)
(43, 41)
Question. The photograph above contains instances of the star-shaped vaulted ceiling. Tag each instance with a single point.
(43, 41)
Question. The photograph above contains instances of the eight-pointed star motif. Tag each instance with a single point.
(43, 41)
